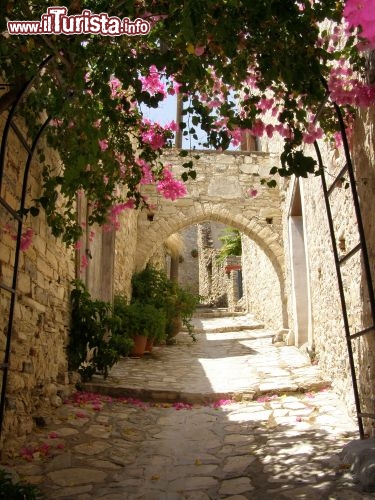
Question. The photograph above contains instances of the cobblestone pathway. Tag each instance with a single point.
(275, 446)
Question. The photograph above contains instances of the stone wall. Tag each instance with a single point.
(263, 289)
(364, 161)
(325, 324)
(38, 375)
(125, 252)
(234, 282)
(188, 269)
(222, 192)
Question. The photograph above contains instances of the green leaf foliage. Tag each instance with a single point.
(277, 39)
(10, 490)
(231, 240)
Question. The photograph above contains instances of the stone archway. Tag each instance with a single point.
(156, 234)
(228, 190)
(260, 233)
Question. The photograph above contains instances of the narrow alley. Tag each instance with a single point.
(229, 416)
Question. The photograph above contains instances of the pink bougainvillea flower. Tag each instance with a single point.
(312, 134)
(44, 449)
(55, 122)
(258, 128)
(115, 86)
(147, 175)
(345, 88)
(169, 187)
(264, 399)
(84, 262)
(152, 83)
(269, 130)
(172, 126)
(222, 402)
(182, 406)
(337, 137)
(236, 136)
(26, 239)
(114, 214)
(199, 50)
(81, 414)
(265, 104)
(153, 138)
(283, 130)
(252, 192)
(53, 435)
(103, 144)
(27, 453)
(362, 13)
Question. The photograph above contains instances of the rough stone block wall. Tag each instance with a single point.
(125, 252)
(364, 161)
(327, 324)
(262, 287)
(328, 332)
(212, 278)
(232, 281)
(220, 193)
(38, 377)
(188, 269)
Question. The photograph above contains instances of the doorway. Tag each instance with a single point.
(299, 272)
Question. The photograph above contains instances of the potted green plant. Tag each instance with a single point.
(152, 286)
(95, 342)
(181, 307)
(141, 322)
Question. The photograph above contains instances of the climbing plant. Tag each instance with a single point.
(260, 66)
(231, 244)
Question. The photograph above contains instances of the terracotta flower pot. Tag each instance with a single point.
(139, 345)
(175, 327)
(149, 344)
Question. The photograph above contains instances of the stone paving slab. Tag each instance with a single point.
(209, 322)
(232, 364)
(265, 442)
(281, 447)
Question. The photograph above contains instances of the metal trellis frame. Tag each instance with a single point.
(17, 216)
(340, 260)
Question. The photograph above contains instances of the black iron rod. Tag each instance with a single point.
(10, 210)
(368, 415)
(362, 332)
(337, 179)
(7, 288)
(341, 292)
(11, 114)
(357, 208)
(350, 254)
(20, 136)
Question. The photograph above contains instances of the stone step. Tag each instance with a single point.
(165, 395)
(216, 313)
(237, 322)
